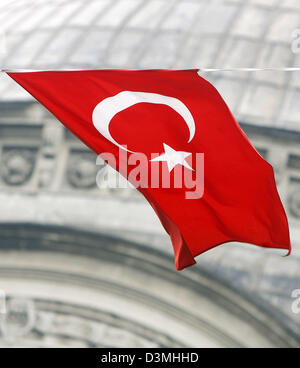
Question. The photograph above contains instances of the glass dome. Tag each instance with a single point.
(134, 34)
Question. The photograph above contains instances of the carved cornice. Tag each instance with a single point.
(113, 256)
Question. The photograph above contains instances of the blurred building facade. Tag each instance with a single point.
(83, 266)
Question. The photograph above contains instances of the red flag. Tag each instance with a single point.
(182, 118)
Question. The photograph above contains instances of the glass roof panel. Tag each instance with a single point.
(31, 22)
(231, 90)
(124, 46)
(237, 52)
(15, 4)
(161, 52)
(273, 56)
(4, 14)
(216, 17)
(9, 40)
(14, 17)
(58, 48)
(265, 2)
(25, 52)
(293, 4)
(206, 51)
(283, 26)
(118, 12)
(86, 15)
(92, 48)
(5, 3)
(61, 13)
(149, 15)
(182, 16)
(251, 23)
(162, 33)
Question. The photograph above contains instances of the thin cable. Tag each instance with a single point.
(288, 69)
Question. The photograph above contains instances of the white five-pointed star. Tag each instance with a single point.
(173, 158)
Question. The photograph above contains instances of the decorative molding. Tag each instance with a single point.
(17, 165)
(82, 170)
(40, 322)
(97, 276)
(19, 319)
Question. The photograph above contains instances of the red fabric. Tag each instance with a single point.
(240, 201)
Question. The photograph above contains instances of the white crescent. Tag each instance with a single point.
(109, 107)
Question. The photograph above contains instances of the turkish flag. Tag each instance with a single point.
(181, 124)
